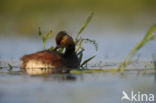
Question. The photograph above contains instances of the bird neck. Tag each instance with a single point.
(70, 51)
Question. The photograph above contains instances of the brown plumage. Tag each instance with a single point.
(46, 57)
(53, 59)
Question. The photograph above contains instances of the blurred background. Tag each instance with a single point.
(117, 25)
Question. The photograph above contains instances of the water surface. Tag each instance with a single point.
(104, 87)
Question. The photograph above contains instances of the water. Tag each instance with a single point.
(117, 26)
(65, 88)
(104, 87)
(112, 47)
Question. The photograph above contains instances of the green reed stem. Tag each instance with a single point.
(148, 37)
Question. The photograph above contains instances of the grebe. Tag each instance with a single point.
(53, 60)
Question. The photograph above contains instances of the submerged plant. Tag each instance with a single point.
(148, 37)
(78, 42)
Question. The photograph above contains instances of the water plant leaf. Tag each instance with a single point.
(148, 37)
(93, 42)
(44, 36)
(60, 50)
(86, 40)
(51, 48)
(10, 67)
(81, 51)
(78, 41)
(49, 34)
(150, 31)
(80, 71)
(83, 27)
(80, 56)
(79, 45)
(87, 60)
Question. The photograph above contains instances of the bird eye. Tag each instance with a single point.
(61, 42)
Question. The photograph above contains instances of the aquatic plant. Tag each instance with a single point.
(80, 71)
(83, 27)
(148, 37)
(10, 67)
(78, 42)
(44, 36)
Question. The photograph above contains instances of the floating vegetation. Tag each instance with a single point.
(78, 41)
(148, 37)
(79, 71)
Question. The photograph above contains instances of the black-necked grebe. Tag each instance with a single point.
(53, 59)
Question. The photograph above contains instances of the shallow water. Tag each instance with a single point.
(104, 87)
(111, 48)
(117, 26)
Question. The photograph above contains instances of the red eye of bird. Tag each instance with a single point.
(61, 42)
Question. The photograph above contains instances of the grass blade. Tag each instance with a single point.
(150, 31)
(148, 37)
(79, 45)
(49, 34)
(83, 27)
(80, 52)
(80, 57)
(86, 61)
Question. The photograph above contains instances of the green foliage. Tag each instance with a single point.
(80, 55)
(80, 71)
(78, 41)
(148, 37)
(83, 27)
(60, 50)
(10, 67)
(86, 61)
(51, 48)
(44, 36)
